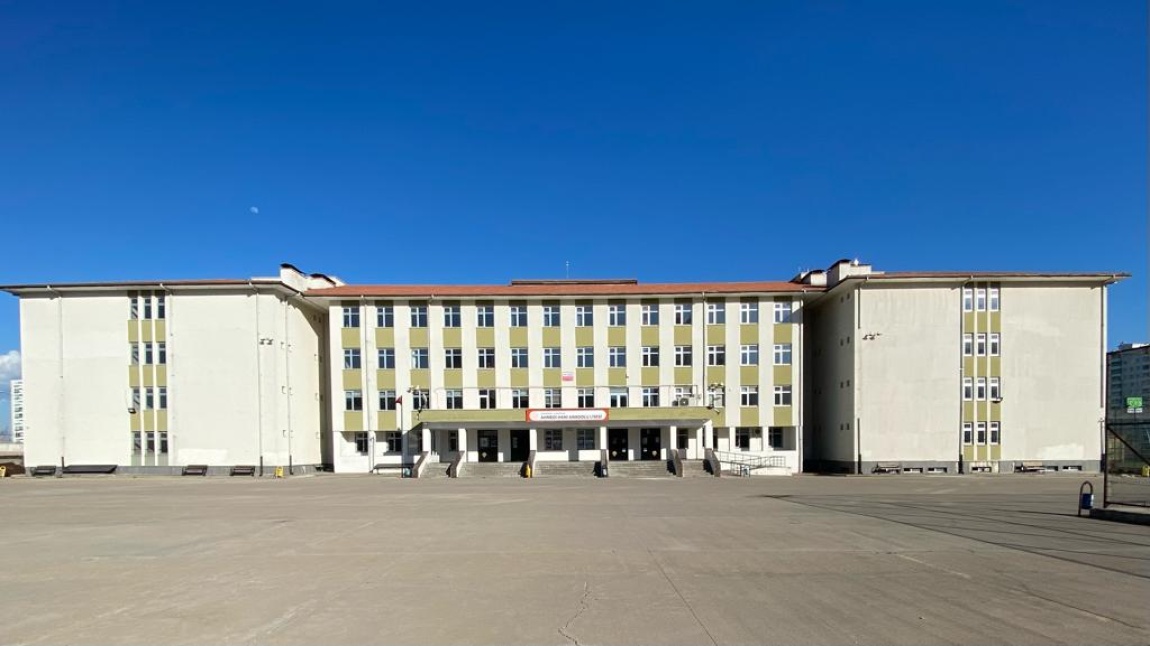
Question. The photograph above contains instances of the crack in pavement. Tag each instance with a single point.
(583, 605)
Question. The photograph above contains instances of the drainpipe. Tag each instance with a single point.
(259, 380)
(60, 352)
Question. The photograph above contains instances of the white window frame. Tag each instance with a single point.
(980, 345)
(784, 395)
(387, 400)
(352, 359)
(716, 355)
(453, 358)
(392, 442)
(650, 356)
(452, 316)
(585, 439)
(994, 299)
(684, 356)
(350, 316)
(617, 356)
(980, 432)
(784, 311)
(161, 353)
(967, 389)
(551, 316)
(995, 430)
(553, 439)
(967, 299)
(979, 299)
(683, 314)
(619, 397)
(519, 358)
(386, 358)
(453, 399)
(418, 316)
(749, 312)
(484, 316)
(362, 444)
(585, 397)
(552, 357)
(980, 388)
(585, 356)
(650, 314)
(749, 395)
(716, 313)
(616, 315)
(967, 433)
(994, 388)
(967, 345)
(353, 400)
(520, 398)
(650, 396)
(485, 358)
(552, 398)
(518, 315)
(749, 354)
(783, 354)
(584, 316)
(486, 397)
(995, 344)
(384, 316)
(420, 359)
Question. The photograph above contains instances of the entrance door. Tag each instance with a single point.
(520, 445)
(617, 443)
(650, 443)
(488, 445)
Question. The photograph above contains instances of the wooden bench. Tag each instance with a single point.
(887, 467)
(1031, 467)
(88, 469)
(244, 470)
(44, 470)
(196, 470)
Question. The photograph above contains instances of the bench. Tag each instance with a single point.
(195, 470)
(44, 470)
(887, 467)
(88, 469)
(1031, 467)
(244, 470)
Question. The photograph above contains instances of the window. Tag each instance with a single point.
(584, 316)
(967, 299)
(161, 353)
(967, 345)
(716, 355)
(551, 358)
(415, 441)
(134, 308)
(163, 442)
(162, 307)
(518, 315)
(149, 399)
(749, 355)
(452, 316)
(386, 358)
(980, 345)
(617, 356)
(995, 389)
(485, 316)
(993, 308)
(651, 356)
(418, 316)
(392, 442)
(748, 312)
(967, 388)
(980, 302)
(650, 314)
(967, 433)
(453, 358)
(783, 311)
(518, 357)
(148, 354)
(682, 313)
(419, 360)
(384, 316)
(716, 313)
(782, 353)
(650, 396)
(135, 399)
(980, 388)
(585, 357)
(749, 396)
(585, 439)
(519, 398)
(980, 432)
(550, 316)
(616, 315)
(137, 443)
(351, 316)
(586, 397)
(995, 434)
(743, 438)
(486, 398)
(453, 398)
(135, 352)
(361, 443)
(387, 400)
(351, 359)
(162, 397)
(148, 307)
(683, 394)
(995, 345)
(553, 439)
(420, 400)
(619, 397)
(775, 437)
(487, 358)
(552, 398)
(353, 400)
(682, 356)
(782, 395)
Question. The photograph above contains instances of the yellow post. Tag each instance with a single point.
(3, 472)
(279, 472)
(527, 471)
(1145, 471)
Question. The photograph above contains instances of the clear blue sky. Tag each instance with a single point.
(475, 142)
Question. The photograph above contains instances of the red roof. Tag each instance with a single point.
(561, 288)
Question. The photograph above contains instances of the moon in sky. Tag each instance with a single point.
(255, 210)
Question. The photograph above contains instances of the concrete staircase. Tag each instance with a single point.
(696, 469)
(490, 469)
(435, 470)
(639, 469)
(564, 469)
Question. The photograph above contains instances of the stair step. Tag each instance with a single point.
(490, 469)
(564, 469)
(639, 469)
(435, 470)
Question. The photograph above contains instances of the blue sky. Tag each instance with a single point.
(465, 142)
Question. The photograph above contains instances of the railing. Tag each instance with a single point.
(453, 470)
(1127, 470)
(744, 463)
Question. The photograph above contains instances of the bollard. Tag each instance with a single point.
(527, 471)
(1085, 497)
(279, 472)
(3, 472)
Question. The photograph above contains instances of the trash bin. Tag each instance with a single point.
(279, 472)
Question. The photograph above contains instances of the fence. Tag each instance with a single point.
(1127, 475)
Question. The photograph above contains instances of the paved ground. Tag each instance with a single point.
(364, 560)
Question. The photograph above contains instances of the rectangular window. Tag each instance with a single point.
(487, 358)
(979, 302)
(518, 315)
(134, 308)
(418, 316)
(453, 358)
(162, 397)
(995, 389)
(619, 397)
(452, 316)
(980, 345)
(650, 396)
(743, 438)
(716, 313)
(148, 354)
(137, 443)
(518, 357)
(682, 313)
(995, 435)
(387, 400)
(150, 438)
(994, 308)
(453, 399)
(683, 354)
(617, 356)
(550, 316)
(520, 398)
(775, 437)
(980, 388)
(783, 311)
(967, 299)
(162, 308)
(584, 316)
(585, 439)
(551, 358)
(148, 307)
(135, 352)
(995, 345)
(419, 358)
(161, 353)
(586, 397)
(420, 400)
(351, 359)
(650, 314)
(393, 442)
(749, 396)
(149, 399)
(748, 312)
(486, 398)
(386, 358)
(782, 395)
(967, 388)
(553, 439)
(351, 316)
(967, 433)
(415, 442)
(135, 399)
(485, 316)
(782, 352)
(749, 355)
(353, 400)
(980, 432)
(585, 357)
(651, 356)
(163, 442)
(361, 443)
(384, 316)
(716, 355)
(967, 345)
(616, 315)
(552, 398)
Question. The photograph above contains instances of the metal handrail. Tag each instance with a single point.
(750, 461)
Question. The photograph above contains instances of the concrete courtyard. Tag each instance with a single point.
(372, 560)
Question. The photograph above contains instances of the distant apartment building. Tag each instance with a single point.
(1128, 405)
(17, 403)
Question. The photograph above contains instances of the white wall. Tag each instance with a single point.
(831, 400)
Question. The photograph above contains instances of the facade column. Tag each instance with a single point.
(709, 434)
(673, 431)
(461, 442)
(532, 439)
(602, 437)
(699, 452)
(425, 439)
